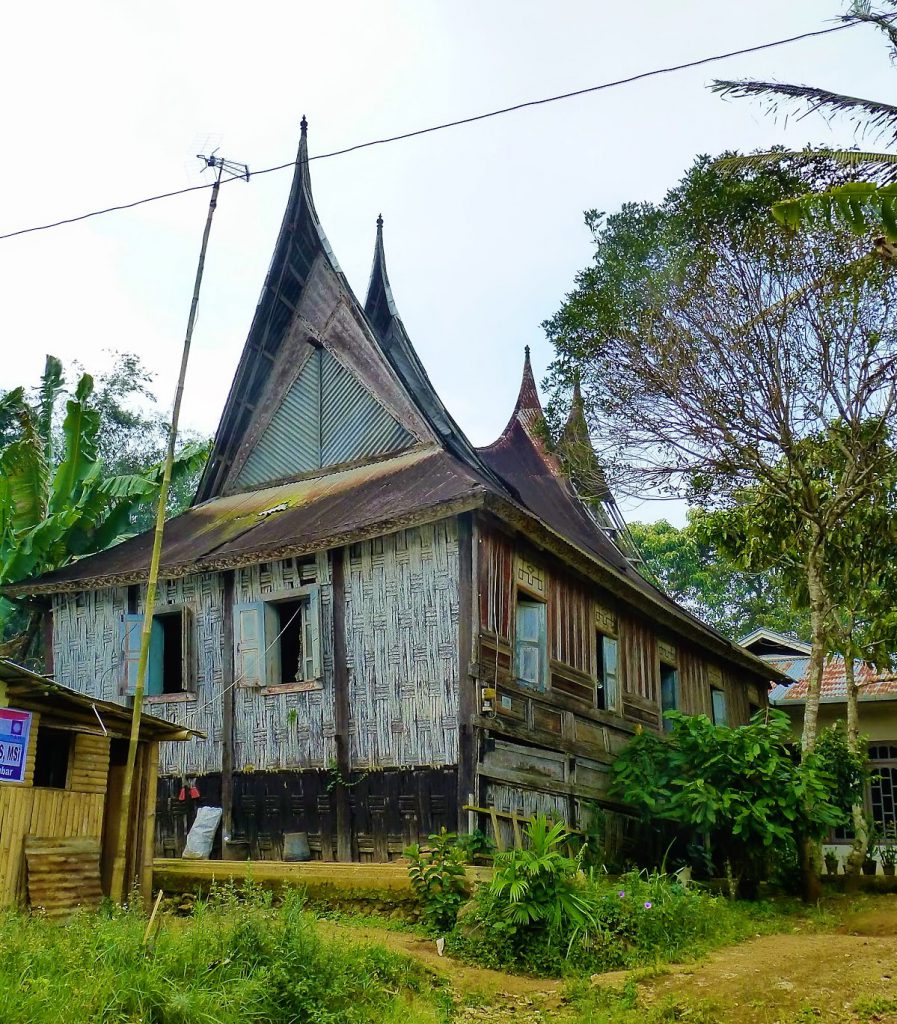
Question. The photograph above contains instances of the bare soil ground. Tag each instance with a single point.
(848, 976)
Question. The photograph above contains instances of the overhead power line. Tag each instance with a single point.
(450, 124)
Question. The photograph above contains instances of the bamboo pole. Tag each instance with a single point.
(120, 884)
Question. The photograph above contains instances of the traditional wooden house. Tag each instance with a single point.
(62, 757)
(375, 623)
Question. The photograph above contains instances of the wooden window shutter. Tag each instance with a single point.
(312, 662)
(188, 632)
(250, 664)
(131, 629)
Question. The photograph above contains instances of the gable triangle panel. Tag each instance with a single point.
(291, 443)
(327, 417)
(353, 423)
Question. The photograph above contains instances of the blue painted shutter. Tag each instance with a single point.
(131, 628)
(250, 666)
(610, 674)
(668, 695)
(530, 644)
(312, 664)
(718, 698)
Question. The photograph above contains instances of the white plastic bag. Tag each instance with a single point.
(202, 834)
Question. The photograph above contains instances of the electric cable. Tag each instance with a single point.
(446, 124)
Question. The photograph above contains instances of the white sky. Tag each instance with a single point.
(105, 102)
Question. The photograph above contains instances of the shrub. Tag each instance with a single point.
(223, 966)
(438, 879)
(636, 920)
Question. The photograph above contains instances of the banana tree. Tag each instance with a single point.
(863, 206)
(55, 507)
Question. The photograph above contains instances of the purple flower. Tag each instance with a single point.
(621, 893)
(648, 904)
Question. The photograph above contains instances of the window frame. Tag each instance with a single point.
(602, 703)
(257, 655)
(718, 691)
(540, 643)
(672, 671)
(131, 628)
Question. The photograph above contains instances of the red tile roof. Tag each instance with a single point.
(834, 684)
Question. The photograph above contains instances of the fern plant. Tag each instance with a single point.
(539, 881)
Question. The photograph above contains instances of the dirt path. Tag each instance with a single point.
(846, 977)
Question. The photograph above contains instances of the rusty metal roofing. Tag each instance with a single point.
(303, 515)
(38, 693)
(872, 684)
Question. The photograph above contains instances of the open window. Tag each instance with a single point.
(607, 691)
(531, 643)
(669, 692)
(52, 755)
(718, 706)
(278, 641)
(170, 664)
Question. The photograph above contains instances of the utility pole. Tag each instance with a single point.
(120, 883)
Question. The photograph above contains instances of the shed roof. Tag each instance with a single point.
(35, 692)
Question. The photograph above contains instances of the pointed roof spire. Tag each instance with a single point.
(379, 304)
(577, 455)
(528, 406)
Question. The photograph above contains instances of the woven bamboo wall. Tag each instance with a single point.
(287, 729)
(402, 648)
(204, 595)
(87, 641)
(527, 803)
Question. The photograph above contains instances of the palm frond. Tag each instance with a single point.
(870, 115)
(880, 165)
(861, 206)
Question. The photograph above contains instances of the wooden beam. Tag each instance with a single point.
(467, 693)
(227, 715)
(341, 705)
(547, 740)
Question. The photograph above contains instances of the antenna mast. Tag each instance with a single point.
(120, 883)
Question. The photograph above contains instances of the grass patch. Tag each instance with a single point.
(251, 964)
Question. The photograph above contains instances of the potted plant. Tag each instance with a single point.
(870, 864)
(887, 849)
(831, 862)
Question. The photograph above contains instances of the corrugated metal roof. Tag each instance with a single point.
(39, 692)
(303, 515)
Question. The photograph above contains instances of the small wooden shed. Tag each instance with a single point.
(62, 760)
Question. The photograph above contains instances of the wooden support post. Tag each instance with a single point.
(341, 706)
(47, 631)
(467, 686)
(496, 830)
(227, 717)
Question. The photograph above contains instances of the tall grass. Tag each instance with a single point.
(229, 963)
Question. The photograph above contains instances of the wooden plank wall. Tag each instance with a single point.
(402, 648)
(574, 607)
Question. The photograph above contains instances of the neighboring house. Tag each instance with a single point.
(877, 711)
(375, 623)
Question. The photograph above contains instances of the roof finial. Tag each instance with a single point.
(379, 220)
(526, 351)
(303, 125)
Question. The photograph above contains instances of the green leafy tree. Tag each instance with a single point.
(743, 788)
(710, 345)
(691, 570)
(57, 499)
(858, 589)
(861, 206)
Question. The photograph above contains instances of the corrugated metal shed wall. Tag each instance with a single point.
(327, 418)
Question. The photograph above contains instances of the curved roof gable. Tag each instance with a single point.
(311, 369)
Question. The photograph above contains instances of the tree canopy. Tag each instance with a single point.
(712, 586)
(58, 498)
